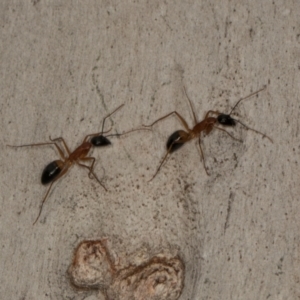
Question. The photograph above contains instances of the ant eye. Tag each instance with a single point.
(100, 140)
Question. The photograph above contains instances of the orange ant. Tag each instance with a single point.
(180, 137)
(56, 169)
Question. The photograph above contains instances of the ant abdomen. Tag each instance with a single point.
(175, 141)
(100, 140)
(226, 120)
(51, 171)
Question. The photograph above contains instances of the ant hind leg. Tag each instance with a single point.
(202, 156)
(160, 165)
(45, 197)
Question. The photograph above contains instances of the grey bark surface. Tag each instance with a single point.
(65, 65)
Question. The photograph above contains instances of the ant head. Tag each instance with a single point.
(226, 120)
(51, 171)
(100, 140)
(176, 140)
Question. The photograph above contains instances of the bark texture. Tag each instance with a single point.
(65, 65)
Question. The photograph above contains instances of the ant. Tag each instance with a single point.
(56, 169)
(177, 139)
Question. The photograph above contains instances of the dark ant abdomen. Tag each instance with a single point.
(100, 140)
(51, 171)
(174, 142)
(226, 120)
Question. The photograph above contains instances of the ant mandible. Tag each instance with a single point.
(180, 137)
(56, 169)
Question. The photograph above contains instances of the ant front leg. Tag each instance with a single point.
(228, 134)
(262, 134)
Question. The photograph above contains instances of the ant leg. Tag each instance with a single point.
(194, 115)
(248, 128)
(64, 143)
(42, 144)
(163, 160)
(43, 203)
(228, 134)
(202, 156)
(60, 175)
(123, 133)
(159, 167)
(29, 145)
(91, 169)
(114, 134)
(181, 119)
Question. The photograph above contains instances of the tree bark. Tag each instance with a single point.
(65, 65)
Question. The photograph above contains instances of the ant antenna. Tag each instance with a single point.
(109, 116)
(252, 94)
